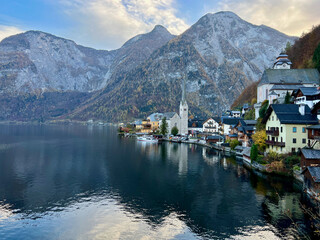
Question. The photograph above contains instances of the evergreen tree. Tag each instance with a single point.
(287, 99)
(174, 131)
(263, 109)
(164, 126)
(254, 152)
(316, 57)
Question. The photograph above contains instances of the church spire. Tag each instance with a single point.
(183, 98)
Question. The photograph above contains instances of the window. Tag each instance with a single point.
(281, 139)
(281, 129)
(293, 150)
(294, 129)
(303, 129)
(272, 118)
(294, 140)
(312, 132)
(304, 140)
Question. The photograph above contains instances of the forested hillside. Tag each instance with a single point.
(302, 51)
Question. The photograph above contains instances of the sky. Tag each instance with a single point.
(108, 24)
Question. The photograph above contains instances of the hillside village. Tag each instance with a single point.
(279, 133)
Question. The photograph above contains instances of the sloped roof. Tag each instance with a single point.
(230, 120)
(246, 151)
(309, 91)
(314, 127)
(155, 117)
(289, 114)
(311, 153)
(250, 122)
(315, 173)
(292, 76)
(286, 87)
(169, 115)
(272, 93)
(196, 122)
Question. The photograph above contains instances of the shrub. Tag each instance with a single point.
(234, 143)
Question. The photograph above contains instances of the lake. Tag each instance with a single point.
(86, 182)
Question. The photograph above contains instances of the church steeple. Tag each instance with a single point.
(183, 97)
(183, 109)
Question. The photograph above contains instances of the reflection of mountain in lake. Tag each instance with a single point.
(56, 168)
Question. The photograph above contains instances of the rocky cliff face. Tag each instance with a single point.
(219, 56)
(35, 61)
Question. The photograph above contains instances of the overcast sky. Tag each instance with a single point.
(107, 24)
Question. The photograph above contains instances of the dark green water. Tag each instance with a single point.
(84, 182)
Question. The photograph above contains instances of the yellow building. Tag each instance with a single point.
(146, 126)
(155, 119)
(286, 127)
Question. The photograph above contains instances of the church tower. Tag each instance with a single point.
(282, 62)
(183, 110)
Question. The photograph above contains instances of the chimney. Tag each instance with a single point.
(302, 109)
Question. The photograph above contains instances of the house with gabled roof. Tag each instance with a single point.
(309, 158)
(211, 125)
(307, 95)
(286, 127)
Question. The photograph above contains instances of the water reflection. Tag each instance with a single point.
(88, 183)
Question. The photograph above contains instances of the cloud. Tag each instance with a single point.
(291, 17)
(6, 31)
(109, 23)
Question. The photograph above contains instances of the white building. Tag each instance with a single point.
(211, 125)
(276, 82)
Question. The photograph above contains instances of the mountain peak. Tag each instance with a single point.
(222, 14)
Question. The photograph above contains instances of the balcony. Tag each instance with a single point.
(273, 132)
(274, 143)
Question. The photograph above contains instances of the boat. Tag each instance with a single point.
(148, 139)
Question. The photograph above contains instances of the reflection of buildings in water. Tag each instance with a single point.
(175, 153)
(178, 153)
(210, 157)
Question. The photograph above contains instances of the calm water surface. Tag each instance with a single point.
(84, 182)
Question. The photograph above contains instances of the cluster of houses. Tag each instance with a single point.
(290, 128)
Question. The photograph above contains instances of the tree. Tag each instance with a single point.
(259, 139)
(316, 57)
(234, 143)
(287, 99)
(250, 115)
(174, 131)
(164, 126)
(254, 152)
(263, 109)
(288, 47)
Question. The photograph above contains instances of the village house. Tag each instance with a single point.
(245, 108)
(307, 95)
(314, 136)
(195, 126)
(211, 125)
(286, 127)
(245, 130)
(146, 126)
(312, 180)
(227, 123)
(281, 79)
(309, 158)
(154, 120)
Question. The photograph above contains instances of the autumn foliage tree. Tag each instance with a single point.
(259, 139)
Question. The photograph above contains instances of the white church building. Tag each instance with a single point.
(276, 82)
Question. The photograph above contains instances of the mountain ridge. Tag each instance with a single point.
(220, 54)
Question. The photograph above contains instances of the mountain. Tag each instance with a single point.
(219, 56)
(36, 61)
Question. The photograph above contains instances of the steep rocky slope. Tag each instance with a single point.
(219, 56)
(36, 61)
